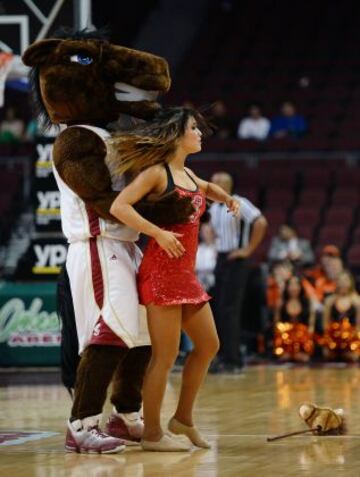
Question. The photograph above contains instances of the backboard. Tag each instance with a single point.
(24, 21)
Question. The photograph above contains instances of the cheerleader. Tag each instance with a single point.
(294, 323)
(167, 283)
(341, 321)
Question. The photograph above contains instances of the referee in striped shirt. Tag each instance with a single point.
(236, 240)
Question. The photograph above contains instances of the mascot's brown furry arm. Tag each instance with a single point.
(85, 82)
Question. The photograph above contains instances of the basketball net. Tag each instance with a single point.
(6, 60)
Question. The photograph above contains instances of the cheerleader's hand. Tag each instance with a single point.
(169, 242)
(233, 206)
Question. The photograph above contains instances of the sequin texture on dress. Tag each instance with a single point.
(172, 281)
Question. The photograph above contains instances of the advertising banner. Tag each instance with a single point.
(46, 196)
(29, 326)
(43, 259)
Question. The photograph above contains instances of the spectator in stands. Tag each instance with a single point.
(255, 125)
(221, 120)
(342, 320)
(322, 279)
(206, 258)
(11, 127)
(288, 246)
(236, 240)
(294, 323)
(280, 273)
(35, 129)
(288, 123)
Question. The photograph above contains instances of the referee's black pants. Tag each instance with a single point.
(230, 284)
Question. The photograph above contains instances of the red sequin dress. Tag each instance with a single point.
(169, 281)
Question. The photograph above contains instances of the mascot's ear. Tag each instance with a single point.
(38, 52)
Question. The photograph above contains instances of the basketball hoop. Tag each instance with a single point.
(6, 60)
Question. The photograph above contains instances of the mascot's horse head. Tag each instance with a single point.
(84, 78)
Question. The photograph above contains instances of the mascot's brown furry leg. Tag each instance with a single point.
(125, 367)
(94, 374)
(128, 378)
(99, 365)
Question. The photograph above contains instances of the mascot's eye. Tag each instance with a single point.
(81, 59)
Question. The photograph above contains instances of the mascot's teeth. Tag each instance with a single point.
(127, 92)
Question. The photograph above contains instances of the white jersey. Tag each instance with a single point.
(78, 222)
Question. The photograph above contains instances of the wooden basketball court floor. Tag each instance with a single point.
(237, 413)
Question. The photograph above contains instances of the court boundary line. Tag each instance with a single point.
(33, 436)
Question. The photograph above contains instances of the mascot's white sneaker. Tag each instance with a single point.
(85, 437)
(128, 427)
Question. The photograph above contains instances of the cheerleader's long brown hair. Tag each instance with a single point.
(152, 142)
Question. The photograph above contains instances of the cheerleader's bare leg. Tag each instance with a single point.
(164, 324)
(198, 323)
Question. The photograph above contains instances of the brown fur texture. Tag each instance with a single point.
(128, 380)
(72, 93)
(98, 366)
(76, 93)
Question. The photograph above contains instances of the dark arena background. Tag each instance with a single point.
(280, 82)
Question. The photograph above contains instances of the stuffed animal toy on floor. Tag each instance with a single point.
(330, 421)
(321, 421)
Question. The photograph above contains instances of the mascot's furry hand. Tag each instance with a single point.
(163, 211)
(331, 421)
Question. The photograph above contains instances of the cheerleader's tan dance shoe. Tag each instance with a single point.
(191, 432)
(166, 444)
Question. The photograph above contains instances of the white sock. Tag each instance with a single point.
(91, 421)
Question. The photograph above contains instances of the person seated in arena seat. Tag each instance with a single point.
(288, 246)
(288, 124)
(206, 258)
(280, 273)
(11, 127)
(341, 321)
(294, 323)
(255, 125)
(321, 280)
(224, 127)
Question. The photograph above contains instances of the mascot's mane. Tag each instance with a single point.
(64, 33)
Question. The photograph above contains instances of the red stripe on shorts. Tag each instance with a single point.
(94, 222)
(102, 334)
(96, 273)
